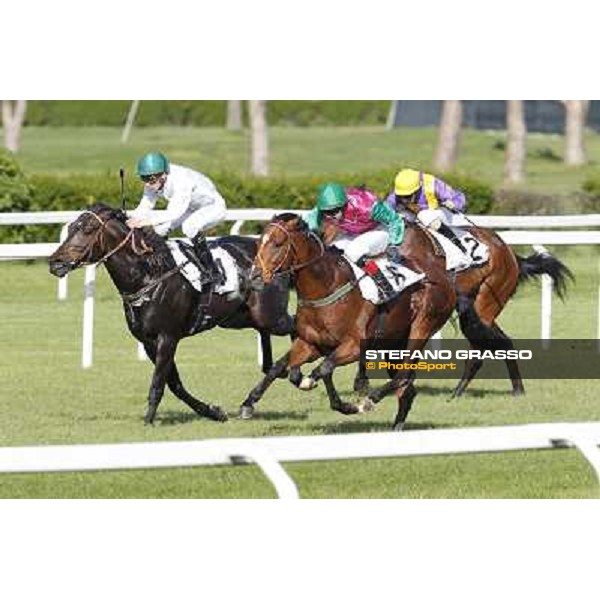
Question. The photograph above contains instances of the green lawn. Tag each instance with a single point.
(46, 398)
(297, 150)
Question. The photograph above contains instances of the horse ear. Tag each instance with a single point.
(301, 224)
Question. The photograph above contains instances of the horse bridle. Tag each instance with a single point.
(82, 262)
(290, 248)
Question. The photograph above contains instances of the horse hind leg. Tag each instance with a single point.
(518, 389)
(477, 322)
(480, 335)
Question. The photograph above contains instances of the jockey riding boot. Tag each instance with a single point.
(446, 231)
(209, 270)
(386, 291)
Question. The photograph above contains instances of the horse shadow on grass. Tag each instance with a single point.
(171, 417)
(446, 392)
(383, 426)
(278, 415)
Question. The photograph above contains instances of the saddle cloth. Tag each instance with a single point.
(224, 261)
(477, 252)
(399, 277)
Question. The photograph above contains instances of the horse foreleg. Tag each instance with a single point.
(361, 380)
(247, 407)
(266, 351)
(299, 353)
(163, 353)
(406, 395)
(472, 366)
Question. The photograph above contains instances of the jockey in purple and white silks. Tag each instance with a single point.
(425, 196)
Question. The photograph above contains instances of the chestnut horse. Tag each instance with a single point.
(485, 292)
(333, 317)
(161, 306)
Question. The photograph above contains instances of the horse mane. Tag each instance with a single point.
(156, 262)
(287, 217)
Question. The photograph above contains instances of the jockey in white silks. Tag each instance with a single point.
(194, 204)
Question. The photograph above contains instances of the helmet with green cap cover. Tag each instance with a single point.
(152, 163)
(331, 196)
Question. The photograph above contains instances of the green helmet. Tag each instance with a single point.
(152, 164)
(331, 195)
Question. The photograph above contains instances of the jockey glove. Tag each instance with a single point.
(394, 254)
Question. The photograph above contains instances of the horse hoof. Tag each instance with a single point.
(246, 412)
(398, 426)
(455, 394)
(307, 383)
(361, 388)
(218, 414)
(366, 405)
(518, 392)
(348, 409)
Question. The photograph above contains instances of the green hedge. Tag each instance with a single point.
(592, 185)
(203, 112)
(73, 193)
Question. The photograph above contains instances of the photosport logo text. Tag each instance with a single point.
(445, 359)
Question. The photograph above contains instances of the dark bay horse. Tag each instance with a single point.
(333, 317)
(161, 306)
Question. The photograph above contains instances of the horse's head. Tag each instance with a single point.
(283, 247)
(91, 238)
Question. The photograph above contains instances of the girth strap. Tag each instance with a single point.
(138, 297)
(331, 298)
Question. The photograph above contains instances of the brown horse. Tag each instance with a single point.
(483, 292)
(333, 317)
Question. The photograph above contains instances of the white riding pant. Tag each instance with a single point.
(194, 221)
(370, 243)
(433, 218)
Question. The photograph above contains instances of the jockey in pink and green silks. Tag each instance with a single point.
(364, 225)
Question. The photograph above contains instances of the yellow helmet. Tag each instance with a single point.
(407, 182)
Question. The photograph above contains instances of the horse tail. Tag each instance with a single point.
(543, 263)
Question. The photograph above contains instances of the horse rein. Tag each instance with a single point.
(98, 235)
(290, 248)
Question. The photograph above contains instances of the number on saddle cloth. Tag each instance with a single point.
(472, 245)
(393, 271)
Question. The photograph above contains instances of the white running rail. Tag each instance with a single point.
(269, 452)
